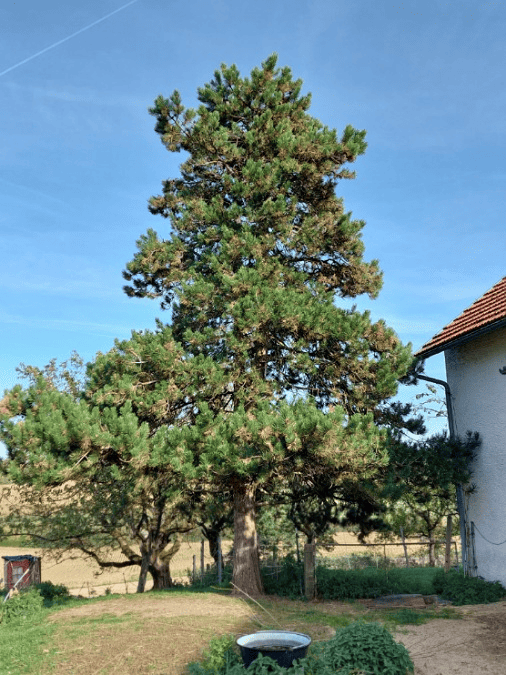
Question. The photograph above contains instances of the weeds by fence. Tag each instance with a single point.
(384, 555)
(300, 577)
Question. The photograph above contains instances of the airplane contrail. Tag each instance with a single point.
(69, 37)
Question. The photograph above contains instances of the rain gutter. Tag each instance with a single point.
(460, 490)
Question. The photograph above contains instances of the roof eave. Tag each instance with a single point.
(437, 349)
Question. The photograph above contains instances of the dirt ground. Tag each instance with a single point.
(472, 645)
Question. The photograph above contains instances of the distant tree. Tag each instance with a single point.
(259, 249)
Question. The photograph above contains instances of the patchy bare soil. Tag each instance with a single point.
(472, 646)
(149, 634)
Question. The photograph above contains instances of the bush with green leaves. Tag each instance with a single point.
(339, 584)
(52, 593)
(210, 577)
(353, 584)
(21, 606)
(220, 657)
(286, 580)
(359, 648)
(462, 590)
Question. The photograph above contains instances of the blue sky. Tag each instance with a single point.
(79, 157)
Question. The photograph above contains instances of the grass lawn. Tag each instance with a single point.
(27, 646)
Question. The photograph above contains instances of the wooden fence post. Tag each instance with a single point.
(310, 571)
(448, 549)
(404, 546)
(220, 561)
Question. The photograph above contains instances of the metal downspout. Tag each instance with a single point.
(460, 490)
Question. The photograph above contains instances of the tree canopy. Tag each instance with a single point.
(257, 252)
(260, 383)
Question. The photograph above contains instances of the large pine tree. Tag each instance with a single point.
(257, 250)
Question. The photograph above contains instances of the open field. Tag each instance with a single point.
(84, 577)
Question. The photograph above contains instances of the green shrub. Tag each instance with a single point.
(22, 606)
(360, 647)
(339, 584)
(353, 584)
(287, 580)
(220, 657)
(52, 593)
(462, 590)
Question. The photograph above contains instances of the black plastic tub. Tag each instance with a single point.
(281, 645)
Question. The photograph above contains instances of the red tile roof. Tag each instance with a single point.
(486, 313)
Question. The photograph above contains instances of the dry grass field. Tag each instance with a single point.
(84, 577)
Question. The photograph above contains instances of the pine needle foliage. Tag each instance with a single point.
(258, 250)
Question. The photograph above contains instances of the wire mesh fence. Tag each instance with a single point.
(389, 554)
(409, 554)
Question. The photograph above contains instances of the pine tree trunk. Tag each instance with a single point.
(404, 546)
(246, 576)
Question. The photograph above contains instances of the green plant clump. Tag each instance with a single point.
(53, 593)
(286, 581)
(357, 649)
(339, 584)
(462, 590)
(209, 579)
(360, 648)
(22, 607)
(218, 659)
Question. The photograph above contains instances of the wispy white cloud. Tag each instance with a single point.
(13, 189)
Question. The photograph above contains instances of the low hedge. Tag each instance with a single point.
(462, 590)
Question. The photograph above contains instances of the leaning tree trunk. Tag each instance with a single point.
(246, 576)
(141, 584)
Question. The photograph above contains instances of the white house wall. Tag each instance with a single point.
(479, 398)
